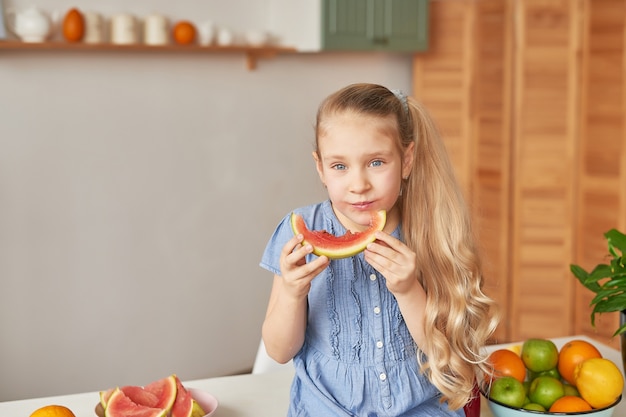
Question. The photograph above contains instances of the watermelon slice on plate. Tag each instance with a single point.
(165, 397)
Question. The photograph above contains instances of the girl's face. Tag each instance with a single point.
(362, 167)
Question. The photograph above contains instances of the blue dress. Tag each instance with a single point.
(358, 357)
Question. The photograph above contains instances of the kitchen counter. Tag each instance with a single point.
(249, 395)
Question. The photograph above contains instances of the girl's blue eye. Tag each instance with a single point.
(377, 163)
(339, 167)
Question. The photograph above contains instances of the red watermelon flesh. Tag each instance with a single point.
(135, 393)
(337, 247)
(120, 405)
(183, 405)
(158, 394)
(165, 390)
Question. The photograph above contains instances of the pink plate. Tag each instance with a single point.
(206, 400)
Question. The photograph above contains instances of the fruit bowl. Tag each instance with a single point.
(206, 401)
(502, 410)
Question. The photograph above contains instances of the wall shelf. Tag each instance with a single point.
(252, 53)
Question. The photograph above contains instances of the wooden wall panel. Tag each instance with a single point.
(491, 150)
(545, 90)
(602, 150)
(531, 99)
(442, 78)
(464, 82)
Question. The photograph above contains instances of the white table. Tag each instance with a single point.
(238, 396)
(259, 395)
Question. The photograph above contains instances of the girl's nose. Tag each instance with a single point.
(359, 182)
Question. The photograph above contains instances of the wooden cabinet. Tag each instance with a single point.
(389, 25)
(530, 97)
(351, 25)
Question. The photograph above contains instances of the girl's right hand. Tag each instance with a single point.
(297, 274)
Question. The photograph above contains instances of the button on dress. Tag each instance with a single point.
(358, 357)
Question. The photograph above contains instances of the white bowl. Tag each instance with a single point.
(502, 410)
(207, 401)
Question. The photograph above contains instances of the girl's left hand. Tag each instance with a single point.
(395, 261)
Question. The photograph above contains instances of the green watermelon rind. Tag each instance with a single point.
(338, 247)
(183, 405)
(196, 410)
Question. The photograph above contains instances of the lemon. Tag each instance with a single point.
(52, 411)
(599, 381)
(516, 349)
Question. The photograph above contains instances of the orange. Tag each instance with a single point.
(599, 381)
(505, 362)
(73, 25)
(53, 411)
(571, 354)
(568, 404)
(184, 32)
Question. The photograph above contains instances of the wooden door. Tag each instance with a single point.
(531, 100)
(464, 81)
(601, 191)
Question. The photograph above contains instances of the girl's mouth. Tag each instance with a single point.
(364, 205)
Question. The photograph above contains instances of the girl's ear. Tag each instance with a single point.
(407, 160)
(318, 166)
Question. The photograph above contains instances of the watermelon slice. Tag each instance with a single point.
(196, 410)
(183, 405)
(337, 247)
(158, 394)
(120, 405)
(165, 391)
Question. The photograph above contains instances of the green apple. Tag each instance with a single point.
(570, 390)
(545, 390)
(554, 372)
(509, 391)
(534, 407)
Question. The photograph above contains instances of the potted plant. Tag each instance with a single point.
(608, 282)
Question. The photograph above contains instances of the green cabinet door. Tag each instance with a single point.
(370, 25)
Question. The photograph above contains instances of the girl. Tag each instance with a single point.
(397, 330)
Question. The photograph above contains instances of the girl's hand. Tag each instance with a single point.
(297, 274)
(395, 261)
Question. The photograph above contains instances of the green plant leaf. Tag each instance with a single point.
(622, 329)
(599, 272)
(616, 240)
(583, 277)
(607, 282)
(609, 304)
(617, 267)
(617, 281)
(579, 272)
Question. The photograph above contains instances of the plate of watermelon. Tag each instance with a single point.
(166, 397)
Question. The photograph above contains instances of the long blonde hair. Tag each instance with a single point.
(459, 317)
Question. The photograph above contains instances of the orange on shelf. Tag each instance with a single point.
(184, 33)
(73, 26)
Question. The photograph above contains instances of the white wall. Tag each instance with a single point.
(137, 192)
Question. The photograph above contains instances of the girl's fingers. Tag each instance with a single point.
(389, 248)
(292, 244)
(390, 241)
(293, 260)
